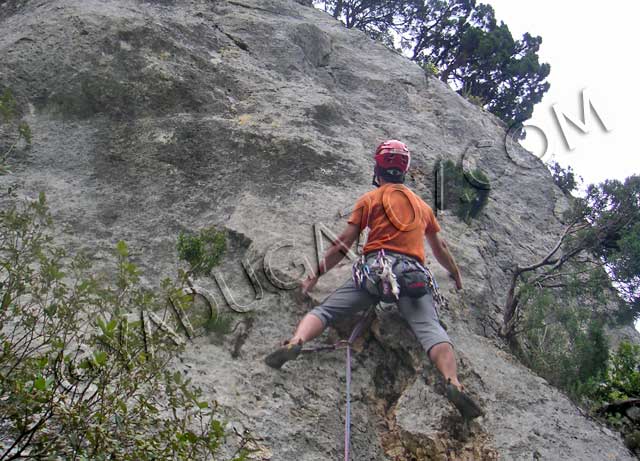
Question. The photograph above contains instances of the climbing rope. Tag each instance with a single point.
(355, 334)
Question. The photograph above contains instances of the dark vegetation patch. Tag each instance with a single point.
(240, 157)
(466, 193)
(143, 72)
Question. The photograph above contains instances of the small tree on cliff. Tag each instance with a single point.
(378, 18)
(603, 234)
(479, 57)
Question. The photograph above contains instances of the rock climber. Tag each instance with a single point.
(398, 221)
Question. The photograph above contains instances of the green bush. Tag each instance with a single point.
(430, 68)
(622, 378)
(457, 191)
(219, 324)
(611, 395)
(474, 99)
(20, 129)
(82, 373)
(202, 251)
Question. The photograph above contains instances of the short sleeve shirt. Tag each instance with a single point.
(397, 220)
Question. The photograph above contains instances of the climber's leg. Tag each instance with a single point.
(310, 327)
(344, 302)
(422, 317)
(444, 359)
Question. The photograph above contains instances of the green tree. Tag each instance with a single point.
(622, 379)
(477, 56)
(562, 337)
(378, 18)
(474, 54)
(613, 210)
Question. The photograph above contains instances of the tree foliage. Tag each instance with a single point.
(614, 396)
(622, 378)
(83, 373)
(600, 245)
(557, 307)
(462, 40)
(565, 178)
(479, 57)
(564, 340)
(613, 210)
(378, 18)
(202, 251)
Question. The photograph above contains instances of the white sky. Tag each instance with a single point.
(589, 44)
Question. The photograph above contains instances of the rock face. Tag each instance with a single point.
(260, 116)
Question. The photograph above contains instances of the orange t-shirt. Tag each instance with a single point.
(397, 220)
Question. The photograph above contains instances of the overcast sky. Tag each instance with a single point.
(590, 45)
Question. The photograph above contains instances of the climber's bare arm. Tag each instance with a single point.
(443, 256)
(333, 255)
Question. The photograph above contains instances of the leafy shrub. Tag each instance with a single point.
(18, 130)
(219, 324)
(82, 373)
(456, 190)
(612, 396)
(430, 68)
(474, 99)
(203, 251)
(622, 378)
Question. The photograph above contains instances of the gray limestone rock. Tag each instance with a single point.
(260, 116)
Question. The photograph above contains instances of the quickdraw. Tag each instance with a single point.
(383, 268)
(438, 299)
(389, 281)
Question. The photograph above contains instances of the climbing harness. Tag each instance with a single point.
(389, 279)
(355, 334)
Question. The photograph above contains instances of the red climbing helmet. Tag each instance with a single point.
(393, 154)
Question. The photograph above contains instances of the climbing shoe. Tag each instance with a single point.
(465, 405)
(282, 355)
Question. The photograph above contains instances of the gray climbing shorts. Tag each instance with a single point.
(420, 313)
